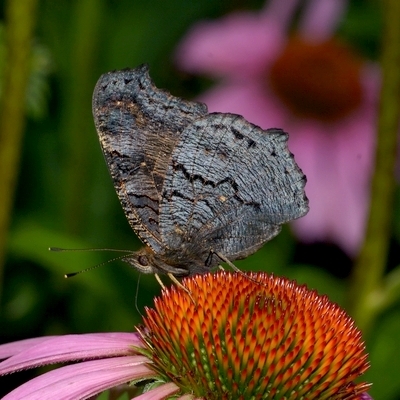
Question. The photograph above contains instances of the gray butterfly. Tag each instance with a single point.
(197, 188)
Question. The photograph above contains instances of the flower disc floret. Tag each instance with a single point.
(237, 336)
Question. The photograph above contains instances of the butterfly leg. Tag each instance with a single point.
(177, 283)
(224, 259)
(160, 281)
(230, 263)
(234, 267)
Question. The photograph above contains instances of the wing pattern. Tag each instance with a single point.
(229, 186)
(138, 127)
(192, 183)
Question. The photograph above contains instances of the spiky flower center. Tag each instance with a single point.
(317, 80)
(254, 337)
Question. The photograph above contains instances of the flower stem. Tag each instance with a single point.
(77, 120)
(370, 265)
(389, 293)
(20, 20)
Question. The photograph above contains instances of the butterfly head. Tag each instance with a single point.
(148, 262)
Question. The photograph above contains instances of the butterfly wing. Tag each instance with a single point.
(230, 185)
(138, 126)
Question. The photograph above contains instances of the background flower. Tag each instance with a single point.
(313, 86)
(64, 196)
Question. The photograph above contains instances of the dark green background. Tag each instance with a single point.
(65, 196)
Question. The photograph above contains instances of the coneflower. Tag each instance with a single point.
(227, 336)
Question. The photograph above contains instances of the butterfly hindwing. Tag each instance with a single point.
(229, 186)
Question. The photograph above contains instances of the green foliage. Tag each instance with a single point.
(384, 348)
(38, 84)
(65, 196)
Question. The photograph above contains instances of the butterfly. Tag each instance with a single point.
(196, 187)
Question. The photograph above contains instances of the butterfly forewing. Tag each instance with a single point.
(138, 127)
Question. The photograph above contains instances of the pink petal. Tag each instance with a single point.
(240, 44)
(237, 45)
(371, 83)
(160, 392)
(280, 12)
(9, 349)
(72, 347)
(83, 380)
(320, 19)
(337, 161)
(248, 99)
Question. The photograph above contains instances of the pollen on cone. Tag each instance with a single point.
(254, 336)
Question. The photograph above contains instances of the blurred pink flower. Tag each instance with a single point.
(311, 85)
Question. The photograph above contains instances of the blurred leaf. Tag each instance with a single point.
(2, 54)
(396, 215)
(273, 257)
(385, 357)
(363, 26)
(110, 395)
(38, 86)
(31, 240)
(97, 296)
(320, 280)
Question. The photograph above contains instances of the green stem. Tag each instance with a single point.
(389, 293)
(20, 20)
(77, 117)
(370, 265)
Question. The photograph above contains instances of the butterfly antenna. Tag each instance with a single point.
(71, 274)
(137, 296)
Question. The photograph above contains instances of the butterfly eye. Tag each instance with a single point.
(143, 260)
